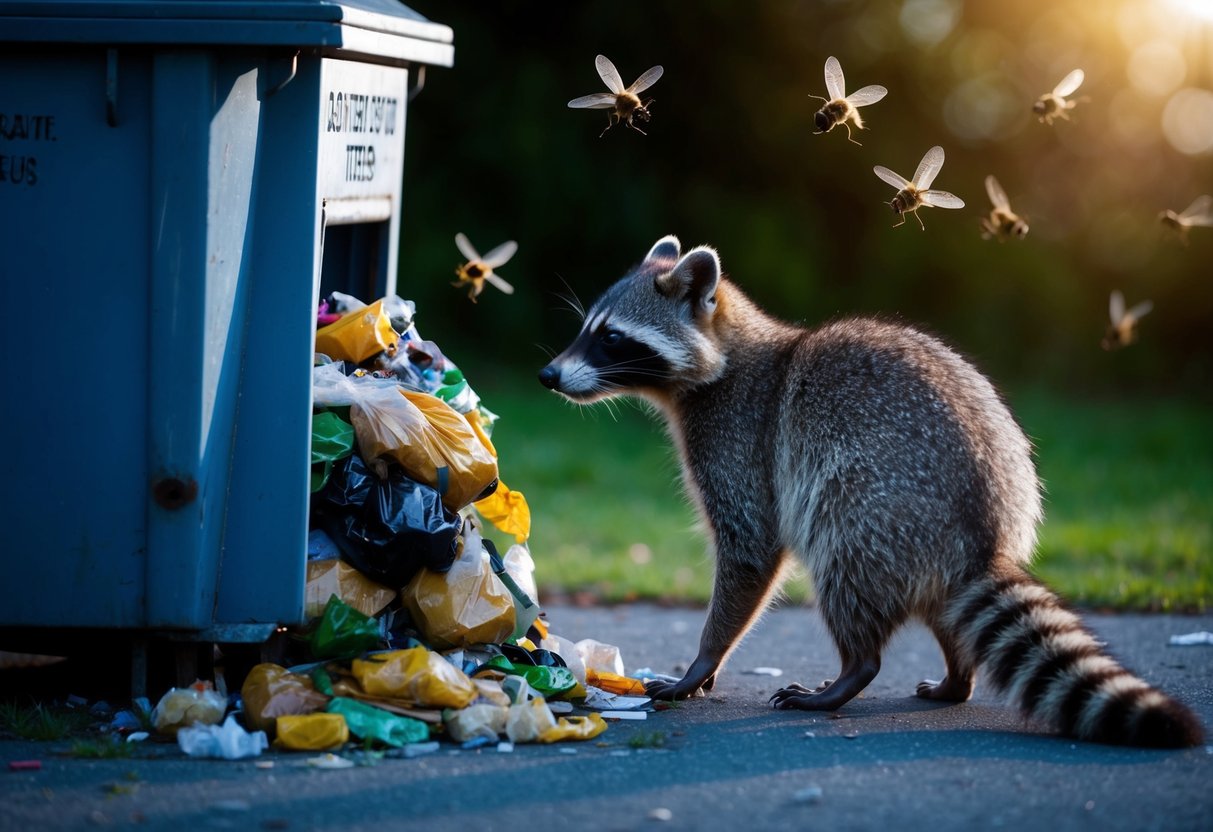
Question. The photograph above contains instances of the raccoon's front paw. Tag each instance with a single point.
(682, 689)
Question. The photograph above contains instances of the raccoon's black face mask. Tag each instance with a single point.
(602, 361)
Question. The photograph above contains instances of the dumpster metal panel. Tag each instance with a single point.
(383, 29)
(73, 496)
(167, 207)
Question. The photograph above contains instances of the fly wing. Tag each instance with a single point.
(465, 247)
(1069, 84)
(1139, 310)
(1116, 307)
(997, 195)
(896, 180)
(500, 255)
(835, 82)
(928, 168)
(608, 73)
(647, 80)
(941, 199)
(595, 101)
(867, 95)
(1200, 212)
(499, 283)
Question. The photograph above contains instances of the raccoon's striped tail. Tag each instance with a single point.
(1054, 669)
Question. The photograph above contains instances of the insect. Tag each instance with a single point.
(625, 104)
(1122, 330)
(478, 269)
(913, 194)
(840, 107)
(1054, 104)
(1002, 221)
(1200, 212)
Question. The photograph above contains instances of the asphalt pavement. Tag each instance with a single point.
(886, 761)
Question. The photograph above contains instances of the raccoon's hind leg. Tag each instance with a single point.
(957, 685)
(860, 629)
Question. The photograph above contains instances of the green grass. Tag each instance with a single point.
(41, 722)
(104, 748)
(1129, 499)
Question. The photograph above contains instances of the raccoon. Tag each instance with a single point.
(884, 461)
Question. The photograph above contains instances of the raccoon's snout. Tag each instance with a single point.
(549, 377)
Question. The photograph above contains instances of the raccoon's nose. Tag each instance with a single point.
(549, 377)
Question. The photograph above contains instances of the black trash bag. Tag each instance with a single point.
(386, 529)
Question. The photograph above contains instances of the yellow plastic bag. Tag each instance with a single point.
(335, 577)
(312, 732)
(433, 443)
(358, 335)
(269, 692)
(416, 676)
(574, 728)
(508, 511)
(467, 604)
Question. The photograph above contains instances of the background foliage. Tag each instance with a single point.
(730, 159)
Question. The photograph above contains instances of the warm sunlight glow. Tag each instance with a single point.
(1198, 8)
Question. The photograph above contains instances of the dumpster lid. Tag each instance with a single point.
(375, 28)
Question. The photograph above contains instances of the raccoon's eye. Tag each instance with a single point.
(611, 337)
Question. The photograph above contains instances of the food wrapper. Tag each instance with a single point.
(475, 721)
(332, 439)
(614, 682)
(326, 578)
(574, 728)
(416, 676)
(269, 691)
(468, 604)
(370, 723)
(199, 704)
(508, 511)
(547, 681)
(312, 732)
(491, 691)
(358, 335)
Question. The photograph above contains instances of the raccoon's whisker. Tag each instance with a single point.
(551, 353)
(571, 298)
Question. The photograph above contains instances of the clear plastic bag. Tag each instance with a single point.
(199, 704)
(326, 578)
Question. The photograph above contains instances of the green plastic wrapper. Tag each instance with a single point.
(343, 632)
(370, 723)
(332, 440)
(548, 681)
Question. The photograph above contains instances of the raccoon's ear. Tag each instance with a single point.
(694, 279)
(667, 248)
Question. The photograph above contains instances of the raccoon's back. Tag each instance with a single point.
(894, 436)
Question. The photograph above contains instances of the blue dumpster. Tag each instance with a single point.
(177, 181)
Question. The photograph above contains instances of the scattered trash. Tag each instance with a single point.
(419, 749)
(661, 814)
(481, 721)
(574, 728)
(343, 632)
(1192, 639)
(199, 704)
(370, 723)
(328, 761)
(137, 736)
(328, 578)
(25, 765)
(228, 742)
(810, 794)
(264, 765)
(614, 683)
(765, 671)
(312, 732)
(632, 715)
(505, 747)
(417, 676)
(269, 691)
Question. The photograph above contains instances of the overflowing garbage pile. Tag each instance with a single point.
(419, 630)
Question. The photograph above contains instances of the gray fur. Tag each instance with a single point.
(883, 460)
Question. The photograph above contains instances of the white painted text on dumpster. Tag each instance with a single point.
(361, 129)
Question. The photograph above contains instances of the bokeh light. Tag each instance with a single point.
(1187, 121)
(929, 21)
(1157, 67)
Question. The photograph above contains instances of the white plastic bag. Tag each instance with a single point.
(228, 741)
